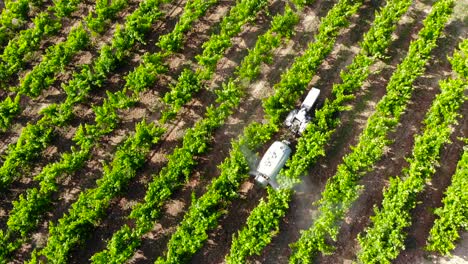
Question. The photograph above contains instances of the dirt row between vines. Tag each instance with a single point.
(301, 211)
(155, 242)
(53, 95)
(186, 118)
(85, 178)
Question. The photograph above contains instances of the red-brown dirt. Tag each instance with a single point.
(302, 211)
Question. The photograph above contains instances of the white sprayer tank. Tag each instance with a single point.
(272, 162)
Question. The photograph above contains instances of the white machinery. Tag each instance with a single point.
(297, 120)
(278, 153)
(272, 162)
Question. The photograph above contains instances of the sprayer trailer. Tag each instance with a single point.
(278, 153)
(272, 162)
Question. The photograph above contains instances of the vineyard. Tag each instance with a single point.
(130, 131)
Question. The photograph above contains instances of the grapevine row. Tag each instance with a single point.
(25, 212)
(55, 59)
(384, 239)
(452, 215)
(45, 73)
(34, 138)
(13, 17)
(195, 142)
(248, 9)
(172, 42)
(110, 117)
(45, 24)
(92, 203)
(189, 81)
(342, 189)
(205, 211)
(104, 12)
(42, 75)
(263, 221)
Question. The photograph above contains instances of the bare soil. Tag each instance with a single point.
(302, 211)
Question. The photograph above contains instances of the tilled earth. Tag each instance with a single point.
(301, 210)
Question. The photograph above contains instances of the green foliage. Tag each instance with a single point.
(9, 108)
(459, 60)
(91, 205)
(453, 215)
(14, 55)
(190, 82)
(243, 12)
(33, 139)
(63, 8)
(14, 10)
(86, 213)
(206, 210)
(187, 84)
(77, 88)
(342, 189)
(193, 9)
(26, 211)
(23, 217)
(103, 13)
(375, 41)
(281, 26)
(179, 166)
(13, 17)
(261, 226)
(311, 144)
(139, 23)
(59, 55)
(284, 24)
(53, 61)
(294, 82)
(192, 232)
(386, 236)
(313, 141)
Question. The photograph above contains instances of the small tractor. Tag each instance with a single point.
(278, 153)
